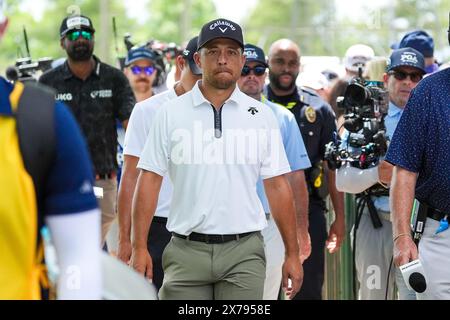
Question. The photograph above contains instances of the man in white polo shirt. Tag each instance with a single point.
(136, 135)
(214, 151)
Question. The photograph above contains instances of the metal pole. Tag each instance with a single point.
(185, 22)
(103, 41)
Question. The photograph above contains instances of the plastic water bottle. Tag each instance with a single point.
(51, 260)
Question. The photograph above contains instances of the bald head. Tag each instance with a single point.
(284, 66)
(284, 45)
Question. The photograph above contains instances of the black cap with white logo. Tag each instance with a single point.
(75, 23)
(220, 28)
(254, 53)
(406, 57)
(188, 55)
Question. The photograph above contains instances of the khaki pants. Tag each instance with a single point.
(107, 203)
(274, 249)
(194, 270)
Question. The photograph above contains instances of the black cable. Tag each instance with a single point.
(360, 204)
(387, 280)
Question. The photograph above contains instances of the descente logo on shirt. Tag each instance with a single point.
(64, 97)
(101, 94)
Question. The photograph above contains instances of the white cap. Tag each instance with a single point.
(356, 55)
(313, 79)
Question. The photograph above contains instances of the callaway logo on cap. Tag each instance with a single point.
(220, 28)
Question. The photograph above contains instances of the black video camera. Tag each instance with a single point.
(26, 70)
(365, 104)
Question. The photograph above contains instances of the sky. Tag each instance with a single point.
(231, 9)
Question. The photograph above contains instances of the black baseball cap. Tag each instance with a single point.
(77, 22)
(220, 28)
(254, 53)
(406, 57)
(188, 55)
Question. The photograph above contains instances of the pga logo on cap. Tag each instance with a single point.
(409, 57)
(250, 53)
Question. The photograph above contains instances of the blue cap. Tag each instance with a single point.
(406, 57)
(254, 53)
(138, 54)
(419, 40)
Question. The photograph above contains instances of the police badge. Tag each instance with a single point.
(310, 114)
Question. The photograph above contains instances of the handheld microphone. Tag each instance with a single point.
(414, 276)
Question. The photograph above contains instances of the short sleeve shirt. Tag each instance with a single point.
(138, 129)
(293, 144)
(420, 142)
(314, 116)
(214, 159)
(69, 184)
(96, 103)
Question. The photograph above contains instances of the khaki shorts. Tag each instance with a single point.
(107, 203)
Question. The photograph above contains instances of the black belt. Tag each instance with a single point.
(161, 220)
(212, 238)
(435, 214)
(105, 176)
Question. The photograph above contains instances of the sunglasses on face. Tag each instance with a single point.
(76, 34)
(138, 70)
(400, 75)
(258, 70)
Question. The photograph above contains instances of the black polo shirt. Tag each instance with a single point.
(97, 102)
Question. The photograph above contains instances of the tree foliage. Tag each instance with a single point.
(313, 24)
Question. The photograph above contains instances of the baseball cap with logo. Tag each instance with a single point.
(357, 55)
(408, 57)
(419, 40)
(188, 55)
(75, 23)
(254, 53)
(141, 53)
(220, 28)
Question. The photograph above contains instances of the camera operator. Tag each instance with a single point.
(373, 228)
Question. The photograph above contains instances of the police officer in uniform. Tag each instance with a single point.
(97, 94)
(318, 127)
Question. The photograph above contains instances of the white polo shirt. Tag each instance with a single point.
(214, 159)
(137, 131)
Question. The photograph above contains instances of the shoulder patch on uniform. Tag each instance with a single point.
(310, 114)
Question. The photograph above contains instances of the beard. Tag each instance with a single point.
(275, 81)
(221, 83)
(80, 52)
